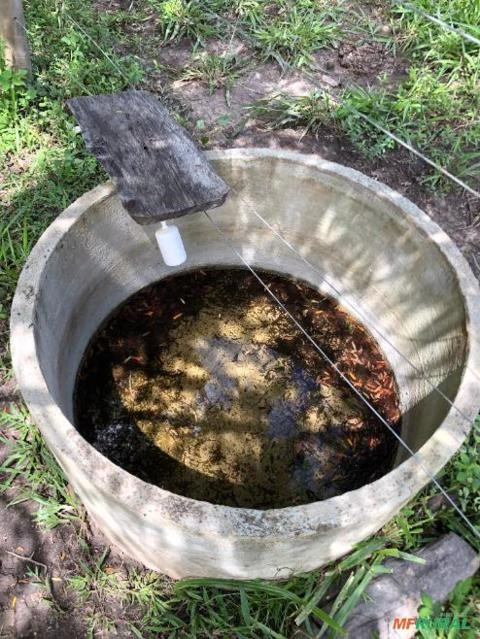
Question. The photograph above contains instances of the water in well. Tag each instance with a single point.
(202, 385)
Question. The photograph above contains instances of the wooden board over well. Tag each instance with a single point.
(158, 170)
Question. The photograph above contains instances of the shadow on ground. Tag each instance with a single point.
(24, 607)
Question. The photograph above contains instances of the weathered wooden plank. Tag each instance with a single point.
(13, 35)
(159, 171)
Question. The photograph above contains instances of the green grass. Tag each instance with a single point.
(426, 41)
(295, 32)
(207, 608)
(460, 605)
(423, 112)
(215, 71)
(48, 164)
(76, 52)
(436, 113)
(435, 108)
(33, 470)
(286, 31)
(181, 18)
(310, 112)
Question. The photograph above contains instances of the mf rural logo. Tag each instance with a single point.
(431, 623)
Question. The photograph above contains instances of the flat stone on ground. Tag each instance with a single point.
(398, 595)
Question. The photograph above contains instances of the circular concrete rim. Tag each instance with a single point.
(399, 485)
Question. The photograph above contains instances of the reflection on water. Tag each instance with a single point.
(202, 385)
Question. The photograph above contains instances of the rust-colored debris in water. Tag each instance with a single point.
(201, 384)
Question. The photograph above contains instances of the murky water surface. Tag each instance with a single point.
(202, 385)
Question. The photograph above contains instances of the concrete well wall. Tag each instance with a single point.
(390, 265)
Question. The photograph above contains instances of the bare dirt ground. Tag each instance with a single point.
(35, 568)
(24, 610)
(357, 64)
(57, 554)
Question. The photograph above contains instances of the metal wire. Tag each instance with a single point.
(286, 64)
(355, 309)
(386, 132)
(438, 21)
(413, 150)
(406, 145)
(293, 319)
(343, 376)
(97, 46)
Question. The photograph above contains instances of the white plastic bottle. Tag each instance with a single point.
(171, 245)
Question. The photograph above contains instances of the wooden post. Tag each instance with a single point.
(13, 35)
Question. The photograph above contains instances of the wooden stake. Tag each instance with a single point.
(13, 35)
